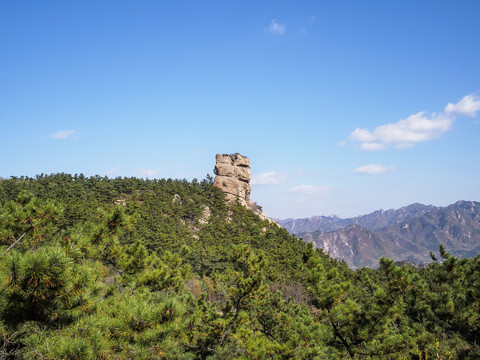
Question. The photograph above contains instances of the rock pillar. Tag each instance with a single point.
(233, 176)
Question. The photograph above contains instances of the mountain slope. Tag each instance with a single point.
(149, 269)
(357, 246)
(457, 227)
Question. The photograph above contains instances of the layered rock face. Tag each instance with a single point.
(233, 176)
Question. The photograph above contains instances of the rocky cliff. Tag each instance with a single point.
(233, 176)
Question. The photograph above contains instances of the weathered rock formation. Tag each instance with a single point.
(233, 178)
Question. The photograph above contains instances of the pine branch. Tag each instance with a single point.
(16, 241)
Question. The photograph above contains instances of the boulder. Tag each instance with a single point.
(227, 184)
(224, 169)
(242, 173)
(224, 159)
(239, 160)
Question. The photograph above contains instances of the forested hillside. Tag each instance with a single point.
(98, 268)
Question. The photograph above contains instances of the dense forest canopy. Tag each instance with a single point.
(127, 268)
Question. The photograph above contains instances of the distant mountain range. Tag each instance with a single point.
(407, 234)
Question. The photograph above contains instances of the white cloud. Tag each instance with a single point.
(373, 169)
(62, 134)
(276, 28)
(371, 146)
(310, 190)
(468, 106)
(268, 178)
(342, 143)
(415, 128)
(114, 171)
(146, 172)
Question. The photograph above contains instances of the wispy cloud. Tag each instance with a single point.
(310, 190)
(309, 196)
(374, 169)
(276, 28)
(416, 128)
(114, 171)
(146, 172)
(269, 178)
(62, 134)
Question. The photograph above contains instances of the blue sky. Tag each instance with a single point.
(343, 107)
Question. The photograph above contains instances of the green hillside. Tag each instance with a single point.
(98, 268)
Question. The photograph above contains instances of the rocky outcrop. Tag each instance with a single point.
(233, 176)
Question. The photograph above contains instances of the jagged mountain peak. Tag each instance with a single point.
(372, 221)
(406, 234)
